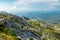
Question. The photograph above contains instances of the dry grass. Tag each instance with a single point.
(7, 37)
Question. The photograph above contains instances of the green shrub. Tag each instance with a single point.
(30, 39)
(11, 32)
(2, 27)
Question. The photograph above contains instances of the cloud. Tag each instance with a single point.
(54, 5)
(24, 2)
(21, 4)
(17, 5)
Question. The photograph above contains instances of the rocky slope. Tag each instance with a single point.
(22, 28)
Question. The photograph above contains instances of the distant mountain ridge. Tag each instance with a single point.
(49, 16)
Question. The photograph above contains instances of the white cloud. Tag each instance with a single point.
(21, 4)
(30, 5)
(44, 1)
(34, 1)
(54, 4)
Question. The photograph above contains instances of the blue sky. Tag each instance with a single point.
(22, 5)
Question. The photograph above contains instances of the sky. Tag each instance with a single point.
(23, 5)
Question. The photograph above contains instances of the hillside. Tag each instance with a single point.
(13, 27)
